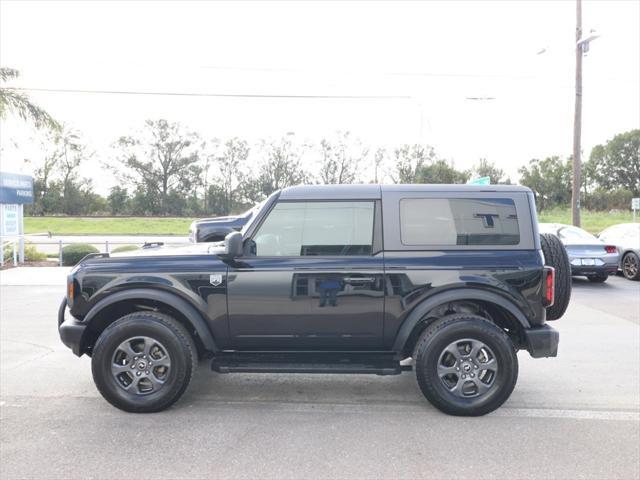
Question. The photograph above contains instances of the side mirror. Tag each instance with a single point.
(233, 244)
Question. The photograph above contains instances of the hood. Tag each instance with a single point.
(173, 250)
(217, 219)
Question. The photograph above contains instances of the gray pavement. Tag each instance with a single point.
(574, 416)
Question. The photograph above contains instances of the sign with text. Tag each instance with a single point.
(16, 188)
(635, 203)
(10, 220)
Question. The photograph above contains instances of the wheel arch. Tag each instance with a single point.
(118, 304)
(499, 310)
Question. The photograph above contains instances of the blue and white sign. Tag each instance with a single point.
(10, 219)
(16, 188)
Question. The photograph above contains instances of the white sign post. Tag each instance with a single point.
(635, 205)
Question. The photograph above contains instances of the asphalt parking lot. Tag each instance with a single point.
(574, 416)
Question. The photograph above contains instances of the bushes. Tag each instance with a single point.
(605, 200)
(31, 253)
(125, 248)
(72, 254)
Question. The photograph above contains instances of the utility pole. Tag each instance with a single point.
(577, 121)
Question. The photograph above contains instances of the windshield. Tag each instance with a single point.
(254, 213)
(575, 233)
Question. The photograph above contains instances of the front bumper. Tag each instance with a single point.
(542, 341)
(69, 329)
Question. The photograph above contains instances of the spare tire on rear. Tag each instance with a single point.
(555, 255)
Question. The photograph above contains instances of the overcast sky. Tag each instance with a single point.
(424, 58)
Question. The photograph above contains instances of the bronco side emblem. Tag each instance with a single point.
(215, 279)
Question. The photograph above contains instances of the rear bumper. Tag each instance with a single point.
(542, 341)
(606, 269)
(69, 329)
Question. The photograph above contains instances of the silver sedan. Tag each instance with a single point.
(626, 237)
(589, 256)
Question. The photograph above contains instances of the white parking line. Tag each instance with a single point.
(572, 414)
(368, 408)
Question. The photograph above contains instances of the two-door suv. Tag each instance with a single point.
(446, 280)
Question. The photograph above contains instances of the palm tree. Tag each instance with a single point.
(12, 100)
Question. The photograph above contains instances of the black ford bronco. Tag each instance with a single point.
(447, 280)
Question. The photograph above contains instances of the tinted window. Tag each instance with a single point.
(458, 221)
(316, 228)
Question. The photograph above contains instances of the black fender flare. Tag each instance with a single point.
(418, 313)
(192, 315)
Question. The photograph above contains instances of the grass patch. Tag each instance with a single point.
(108, 225)
(593, 222)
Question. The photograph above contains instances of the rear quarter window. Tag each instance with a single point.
(458, 221)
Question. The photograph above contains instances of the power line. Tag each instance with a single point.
(220, 95)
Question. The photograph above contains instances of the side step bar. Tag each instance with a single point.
(302, 362)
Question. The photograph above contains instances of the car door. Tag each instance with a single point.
(312, 278)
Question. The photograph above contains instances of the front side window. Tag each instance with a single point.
(316, 228)
(458, 221)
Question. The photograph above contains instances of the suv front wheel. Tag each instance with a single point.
(143, 362)
(465, 365)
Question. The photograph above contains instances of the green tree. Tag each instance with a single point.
(283, 166)
(231, 163)
(440, 171)
(550, 179)
(72, 152)
(409, 160)
(13, 101)
(160, 159)
(118, 200)
(341, 159)
(379, 159)
(485, 168)
(216, 199)
(58, 187)
(616, 164)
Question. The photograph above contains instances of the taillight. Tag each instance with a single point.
(549, 286)
(70, 292)
(610, 249)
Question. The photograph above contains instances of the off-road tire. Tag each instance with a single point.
(449, 329)
(555, 255)
(175, 339)
(598, 278)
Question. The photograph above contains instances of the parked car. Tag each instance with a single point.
(588, 255)
(626, 237)
(332, 279)
(215, 229)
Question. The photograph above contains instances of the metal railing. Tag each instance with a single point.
(18, 243)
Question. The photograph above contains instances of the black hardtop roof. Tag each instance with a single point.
(374, 191)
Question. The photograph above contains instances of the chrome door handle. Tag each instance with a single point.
(359, 279)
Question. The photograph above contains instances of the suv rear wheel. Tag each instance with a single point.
(465, 365)
(143, 362)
